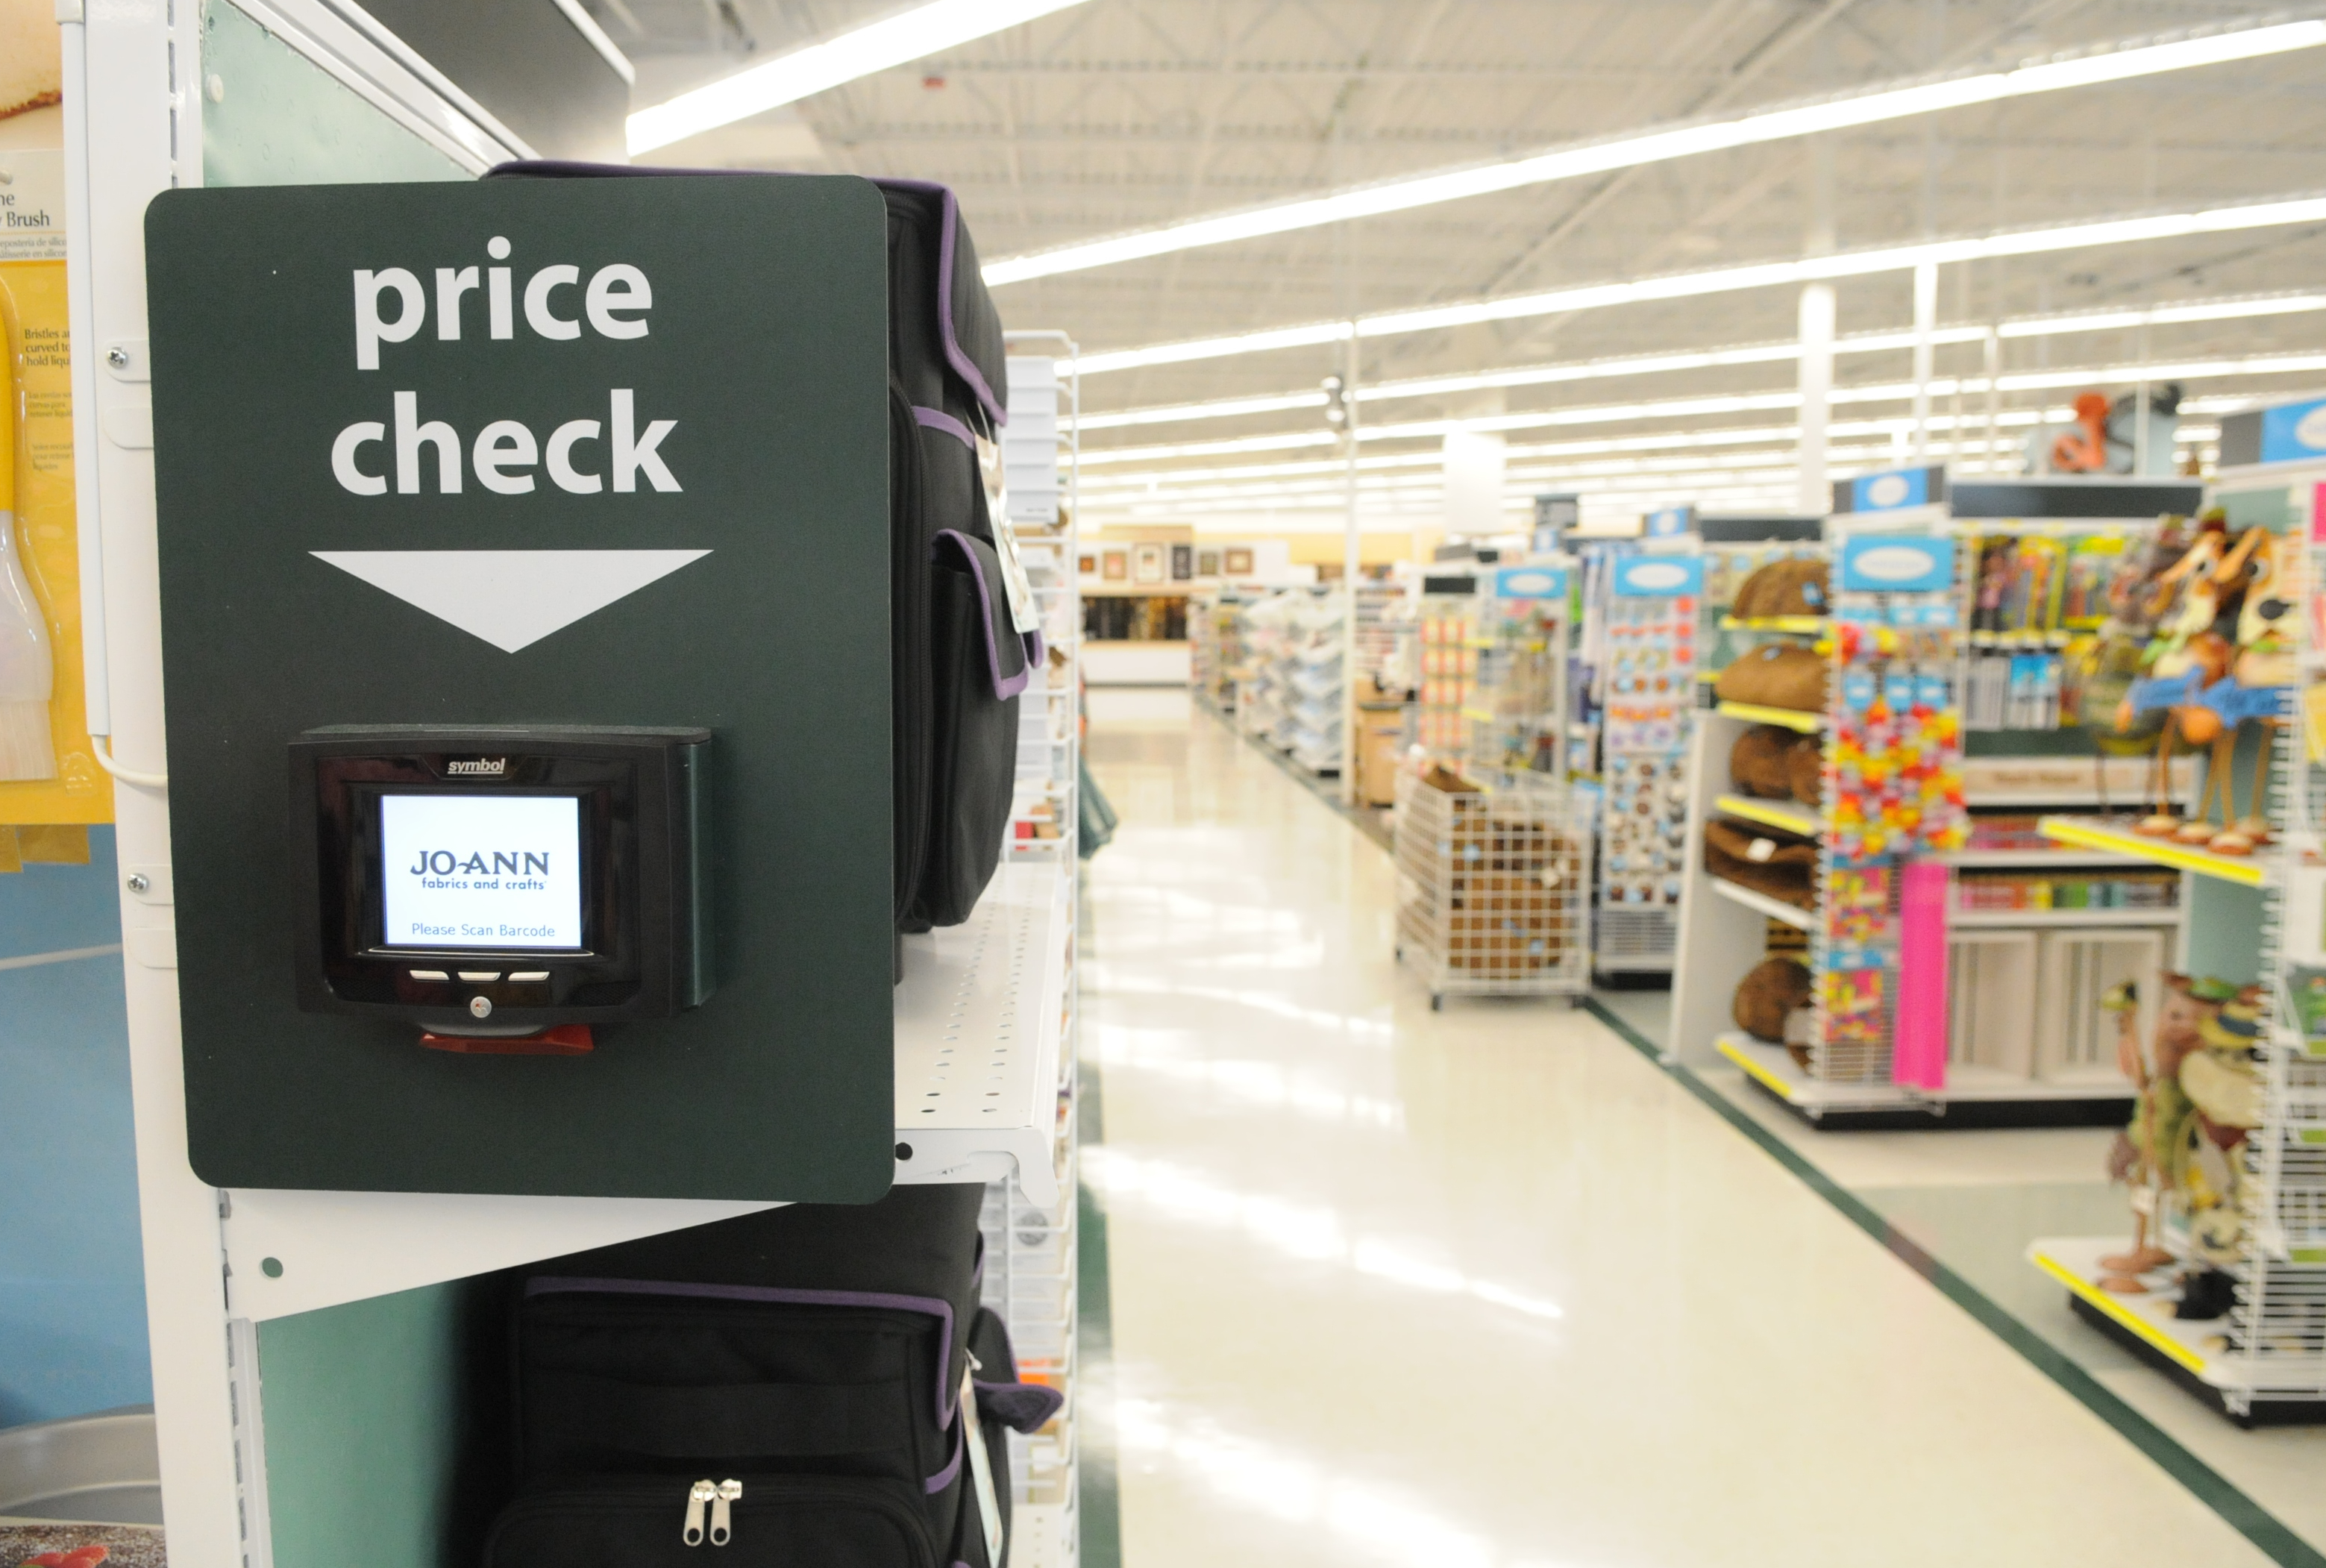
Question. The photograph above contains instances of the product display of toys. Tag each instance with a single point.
(2218, 623)
(2182, 1154)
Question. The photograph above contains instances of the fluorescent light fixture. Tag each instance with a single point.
(2305, 364)
(1729, 280)
(2220, 310)
(909, 35)
(2120, 63)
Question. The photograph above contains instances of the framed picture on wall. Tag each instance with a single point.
(1087, 565)
(1147, 563)
(1237, 558)
(1118, 565)
(1207, 564)
(1183, 562)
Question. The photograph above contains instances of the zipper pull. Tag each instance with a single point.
(722, 1526)
(697, 1495)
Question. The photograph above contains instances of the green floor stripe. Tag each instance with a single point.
(1097, 1498)
(2244, 1515)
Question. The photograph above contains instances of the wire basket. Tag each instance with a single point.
(1494, 886)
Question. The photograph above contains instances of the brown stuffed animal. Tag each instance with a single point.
(1805, 769)
(1786, 875)
(1781, 587)
(1757, 762)
(1770, 993)
(1776, 675)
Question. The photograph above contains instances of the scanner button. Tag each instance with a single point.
(528, 977)
(481, 975)
(429, 975)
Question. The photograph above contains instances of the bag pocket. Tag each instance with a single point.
(641, 1377)
(980, 666)
(686, 1522)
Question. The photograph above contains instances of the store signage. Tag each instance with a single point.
(1890, 491)
(2293, 431)
(559, 466)
(1530, 582)
(1670, 523)
(1897, 563)
(1658, 576)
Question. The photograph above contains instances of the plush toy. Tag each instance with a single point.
(2145, 1154)
(1775, 675)
(2208, 1166)
(1805, 769)
(1772, 1004)
(1757, 762)
(1791, 587)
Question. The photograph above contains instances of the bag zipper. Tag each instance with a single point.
(721, 1497)
(707, 1512)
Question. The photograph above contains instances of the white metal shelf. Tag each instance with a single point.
(1774, 1067)
(978, 1037)
(1761, 903)
(2064, 860)
(1991, 919)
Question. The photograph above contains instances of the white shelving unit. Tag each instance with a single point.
(983, 1023)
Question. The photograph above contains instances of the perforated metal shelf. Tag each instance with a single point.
(977, 1037)
(978, 1029)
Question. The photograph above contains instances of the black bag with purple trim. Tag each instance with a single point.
(954, 749)
(787, 1387)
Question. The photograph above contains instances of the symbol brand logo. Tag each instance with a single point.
(2312, 429)
(491, 766)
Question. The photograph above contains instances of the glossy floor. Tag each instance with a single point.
(1483, 1288)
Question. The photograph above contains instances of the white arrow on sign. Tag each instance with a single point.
(512, 599)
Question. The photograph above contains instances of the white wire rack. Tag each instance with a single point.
(1041, 458)
(1493, 887)
(1030, 1243)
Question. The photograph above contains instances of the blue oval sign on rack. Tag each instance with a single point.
(1658, 576)
(1530, 582)
(1897, 563)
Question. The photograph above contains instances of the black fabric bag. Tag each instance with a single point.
(790, 1380)
(947, 381)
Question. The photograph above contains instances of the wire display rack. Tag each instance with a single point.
(1494, 885)
(1030, 1279)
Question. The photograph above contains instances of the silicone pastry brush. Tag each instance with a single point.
(27, 674)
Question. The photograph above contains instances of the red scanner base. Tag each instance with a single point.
(565, 1040)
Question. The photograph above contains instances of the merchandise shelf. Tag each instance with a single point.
(1761, 903)
(2032, 860)
(2199, 1348)
(1804, 626)
(1789, 717)
(1990, 919)
(997, 979)
(1772, 1068)
(2086, 833)
(1793, 816)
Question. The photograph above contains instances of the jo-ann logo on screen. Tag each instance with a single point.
(491, 766)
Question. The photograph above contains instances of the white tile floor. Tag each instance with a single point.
(1484, 1289)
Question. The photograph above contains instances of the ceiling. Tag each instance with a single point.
(1118, 115)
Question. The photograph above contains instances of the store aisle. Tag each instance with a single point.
(1484, 1289)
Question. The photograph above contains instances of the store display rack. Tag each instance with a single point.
(2264, 1362)
(2005, 1064)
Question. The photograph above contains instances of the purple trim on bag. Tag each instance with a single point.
(961, 363)
(944, 1477)
(1002, 689)
(938, 419)
(550, 1285)
(1023, 1408)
